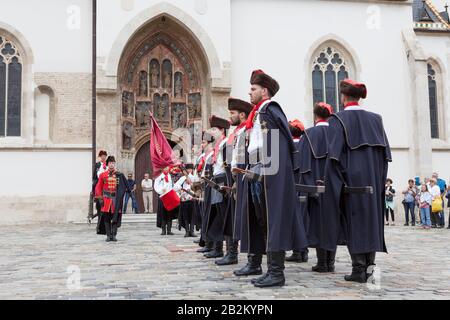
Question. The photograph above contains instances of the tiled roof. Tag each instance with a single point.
(426, 14)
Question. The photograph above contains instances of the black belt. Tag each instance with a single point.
(109, 194)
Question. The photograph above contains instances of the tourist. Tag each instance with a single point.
(409, 202)
(425, 200)
(389, 201)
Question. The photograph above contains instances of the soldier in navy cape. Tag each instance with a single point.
(239, 111)
(204, 169)
(297, 129)
(358, 156)
(243, 206)
(313, 149)
(218, 201)
(276, 225)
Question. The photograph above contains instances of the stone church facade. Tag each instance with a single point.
(182, 59)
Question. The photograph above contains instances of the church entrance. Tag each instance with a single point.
(143, 165)
(162, 71)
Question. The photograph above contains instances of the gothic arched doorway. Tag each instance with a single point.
(163, 70)
(143, 165)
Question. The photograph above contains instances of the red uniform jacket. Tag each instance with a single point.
(106, 189)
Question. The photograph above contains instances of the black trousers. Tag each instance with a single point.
(110, 227)
(392, 215)
(435, 218)
(187, 212)
(259, 202)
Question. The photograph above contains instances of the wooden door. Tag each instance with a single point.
(142, 165)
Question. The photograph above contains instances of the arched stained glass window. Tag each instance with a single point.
(10, 88)
(433, 97)
(328, 69)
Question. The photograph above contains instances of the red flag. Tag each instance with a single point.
(161, 152)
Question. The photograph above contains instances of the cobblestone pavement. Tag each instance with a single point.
(41, 262)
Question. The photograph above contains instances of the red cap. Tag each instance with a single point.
(297, 124)
(326, 106)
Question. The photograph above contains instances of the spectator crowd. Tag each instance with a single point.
(431, 197)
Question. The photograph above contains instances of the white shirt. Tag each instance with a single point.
(182, 184)
(207, 160)
(102, 169)
(147, 185)
(435, 191)
(256, 135)
(325, 124)
(161, 186)
(238, 156)
(218, 166)
(353, 108)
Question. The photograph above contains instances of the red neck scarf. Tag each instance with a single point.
(216, 148)
(201, 163)
(166, 176)
(104, 164)
(351, 103)
(249, 122)
(233, 134)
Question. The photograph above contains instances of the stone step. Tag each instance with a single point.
(138, 218)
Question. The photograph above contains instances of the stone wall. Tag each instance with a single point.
(72, 118)
(44, 209)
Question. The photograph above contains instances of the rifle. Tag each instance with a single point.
(221, 189)
(91, 216)
(193, 195)
(250, 175)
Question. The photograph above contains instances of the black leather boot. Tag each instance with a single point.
(321, 265)
(108, 229)
(191, 230)
(200, 241)
(169, 228)
(304, 255)
(232, 253)
(358, 269)
(275, 274)
(186, 234)
(163, 228)
(295, 257)
(254, 280)
(114, 232)
(331, 258)
(207, 247)
(370, 265)
(252, 268)
(217, 252)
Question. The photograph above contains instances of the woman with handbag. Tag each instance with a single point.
(436, 206)
(389, 201)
